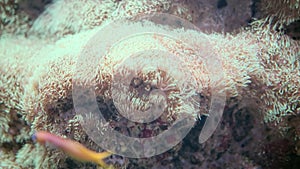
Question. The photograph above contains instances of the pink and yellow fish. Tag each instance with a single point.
(72, 148)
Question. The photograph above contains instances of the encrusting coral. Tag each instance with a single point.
(36, 74)
(92, 14)
(284, 11)
(280, 59)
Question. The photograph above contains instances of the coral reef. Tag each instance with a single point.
(214, 15)
(284, 11)
(75, 17)
(16, 16)
(260, 127)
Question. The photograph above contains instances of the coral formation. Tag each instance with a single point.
(261, 75)
(75, 17)
(214, 15)
(284, 11)
(16, 16)
(280, 59)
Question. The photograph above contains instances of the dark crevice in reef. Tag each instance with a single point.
(254, 8)
(33, 7)
(221, 4)
(243, 124)
(293, 30)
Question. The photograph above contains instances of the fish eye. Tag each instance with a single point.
(33, 137)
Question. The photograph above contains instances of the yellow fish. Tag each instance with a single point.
(72, 148)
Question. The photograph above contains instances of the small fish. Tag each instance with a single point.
(72, 148)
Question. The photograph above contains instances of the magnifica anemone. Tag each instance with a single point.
(137, 64)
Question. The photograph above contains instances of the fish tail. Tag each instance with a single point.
(104, 154)
(101, 156)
